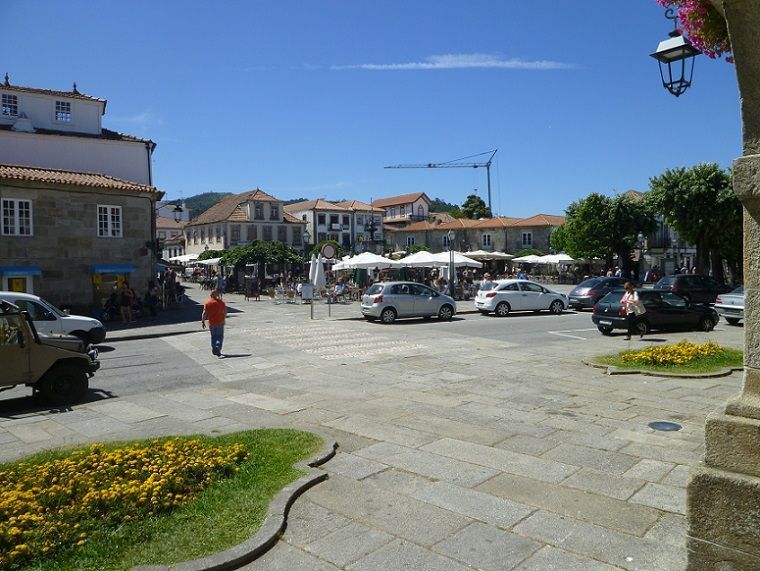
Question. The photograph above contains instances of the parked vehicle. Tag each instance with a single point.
(388, 301)
(730, 306)
(588, 292)
(58, 368)
(49, 320)
(665, 310)
(693, 287)
(505, 296)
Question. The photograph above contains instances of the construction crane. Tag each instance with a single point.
(456, 164)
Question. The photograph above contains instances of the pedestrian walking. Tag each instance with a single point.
(633, 308)
(215, 311)
(220, 285)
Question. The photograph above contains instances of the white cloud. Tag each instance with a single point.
(143, 119)
(462, 61)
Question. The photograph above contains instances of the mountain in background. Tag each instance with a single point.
(199, 203)
(438, 205)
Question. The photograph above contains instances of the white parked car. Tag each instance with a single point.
(730, 306)
(49, 320)
(503, 296)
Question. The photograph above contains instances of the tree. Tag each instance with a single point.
(209, 254)
(414, 248)
(699, 203)
(340, 252)
(438, 205)
(261, 252)
(600, 226)
(474, 208)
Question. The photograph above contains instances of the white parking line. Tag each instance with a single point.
(566, 333)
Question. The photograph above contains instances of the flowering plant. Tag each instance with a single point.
(703, 25)
(678, 354)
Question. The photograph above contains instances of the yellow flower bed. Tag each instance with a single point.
(45, 507)
(678, 354)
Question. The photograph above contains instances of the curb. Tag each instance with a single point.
(612, 370)
(271, 530)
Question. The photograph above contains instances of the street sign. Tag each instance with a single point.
(329, 251)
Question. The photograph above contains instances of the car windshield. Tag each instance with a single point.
(53, 308)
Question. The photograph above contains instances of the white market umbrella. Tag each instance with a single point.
(444, 259)
(312, 268)
(530, 258)
(562, 259)
(485, 255)
(368, 261)
(184, 258)
(319, 280)
(421, 259)
(210, 261)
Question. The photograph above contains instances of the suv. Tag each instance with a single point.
(58, 368)
(589, 291)
(49, 320)
(693, 287)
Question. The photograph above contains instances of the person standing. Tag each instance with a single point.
(630, 301)
(215, 311)
(126, 303)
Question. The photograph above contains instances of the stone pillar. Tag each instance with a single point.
(724, 493)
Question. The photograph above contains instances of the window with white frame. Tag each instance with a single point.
(17, 217)
(445, 240)
(321, 219)
(218, 234)
(274, 212)
(63, 111)
(486, 240)
(409, 241)
(258, 211)
(282, 234)
(527, 239)
(10, 105)
(402, 210)
(109, 221)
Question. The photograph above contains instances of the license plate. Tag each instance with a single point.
(604, 322)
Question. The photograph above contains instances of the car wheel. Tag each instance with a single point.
(388, 315)
(85, 337)
(731, 320)
(556, 307)
(642, 327)
(502, 310)
(446, 313)
(605, 330)
(64, 384)
(706, 324)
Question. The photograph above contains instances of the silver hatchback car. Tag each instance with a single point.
(389, 300)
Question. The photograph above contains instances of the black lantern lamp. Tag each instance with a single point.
(676, 55)
(177, 213)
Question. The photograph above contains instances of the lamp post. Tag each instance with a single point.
(676, 49)
(306, 240)
(177, 211)
(641, 244)
(452, 271)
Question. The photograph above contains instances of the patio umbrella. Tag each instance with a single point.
(421, 259)
(319, 280)
(368, 260)
(530, 258)
(312, 268)
(485, 255)
(444, 259)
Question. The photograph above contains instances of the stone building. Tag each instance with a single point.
(70, 237)
(240, 219)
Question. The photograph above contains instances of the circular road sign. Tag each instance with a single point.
(329, 251)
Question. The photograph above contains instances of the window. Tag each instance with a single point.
(321, 219)
(486, 240)
(162, 234)
(345, 221)
(109, 221)
(218, 234)
(36, 311)
(17, 217)
(63, 111)
(527, 239)
(535, 288)
(274, 212)
(409, 241)
(333, 219)
(282, 234)
(392, 213)
(252, 232)
(402, 210)
(445, 241)
(258, 211)
(267, 233)
(421, 212)
(195, 236)
(235, 233)
(203, 235)
(359, 220)
(509, 287)
(10, 105)
(296, 237)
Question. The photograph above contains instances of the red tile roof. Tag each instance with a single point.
(496, 222)
(541, 220)
(70, 94)
(169, 223)
(73, 178)
(230, 209)
(357, 205)
(318, 204)
(401, 199)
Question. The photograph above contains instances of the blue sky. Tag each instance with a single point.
(312, 99)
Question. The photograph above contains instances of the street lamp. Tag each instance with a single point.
(641, 245)
(672, 51)
(306, 239)
(452, 271)
(177, 211)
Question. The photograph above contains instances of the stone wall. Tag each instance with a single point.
(65, 240)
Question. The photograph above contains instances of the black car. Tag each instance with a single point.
(589, 291)
(664, 310)
(693, 287)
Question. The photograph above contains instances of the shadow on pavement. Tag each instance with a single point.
(20, 407)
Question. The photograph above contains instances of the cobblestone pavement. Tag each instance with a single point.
(454, 453)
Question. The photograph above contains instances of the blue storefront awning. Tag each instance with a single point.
(20, 271)
(112, 268)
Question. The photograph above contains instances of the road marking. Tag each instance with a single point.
(566, 333)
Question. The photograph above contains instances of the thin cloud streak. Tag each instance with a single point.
(462, 61)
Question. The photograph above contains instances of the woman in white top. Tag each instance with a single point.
(630, 302)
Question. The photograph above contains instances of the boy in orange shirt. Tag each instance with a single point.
(215, 311)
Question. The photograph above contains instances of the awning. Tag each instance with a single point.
(20, 271)
(112, 268)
